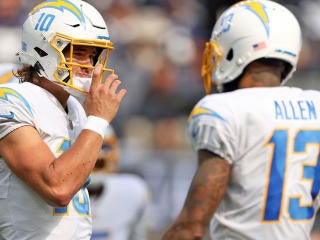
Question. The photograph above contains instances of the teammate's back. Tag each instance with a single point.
(273, 139)
(257, 143)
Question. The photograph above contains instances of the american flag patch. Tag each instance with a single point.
(259, 46)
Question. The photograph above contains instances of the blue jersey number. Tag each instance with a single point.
(81, 200)
(277, 178)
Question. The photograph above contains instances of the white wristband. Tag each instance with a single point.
(96, 124)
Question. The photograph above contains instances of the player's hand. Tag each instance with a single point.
(103, 99)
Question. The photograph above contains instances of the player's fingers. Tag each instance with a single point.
(121, 94)
(109, 80)
(114, 85)
(96, 77)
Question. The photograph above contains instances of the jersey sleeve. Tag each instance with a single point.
(210, 127)
(13, 115)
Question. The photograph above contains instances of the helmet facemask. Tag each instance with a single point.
(210, 59)
(65, 74)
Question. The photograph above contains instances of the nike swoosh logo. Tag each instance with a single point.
(8, 116)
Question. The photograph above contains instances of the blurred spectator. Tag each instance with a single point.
(157, 52)
(309, 14)
(12, 13)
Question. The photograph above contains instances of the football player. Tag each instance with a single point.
(257, 142)
(119, 201)
(49, 143)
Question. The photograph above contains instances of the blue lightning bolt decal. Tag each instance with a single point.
(5, 92)
(60, 5)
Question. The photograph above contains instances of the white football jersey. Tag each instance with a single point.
(271, 137)
(23, 214)
(119, 213)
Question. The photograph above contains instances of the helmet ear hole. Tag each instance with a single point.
(230, 55)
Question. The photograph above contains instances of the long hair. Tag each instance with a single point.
(25, 73)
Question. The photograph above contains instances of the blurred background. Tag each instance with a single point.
(158, 49)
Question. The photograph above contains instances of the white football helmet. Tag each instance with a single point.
(52, 26)
(246, 31)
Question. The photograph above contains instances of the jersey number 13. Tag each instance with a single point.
(276, 180)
